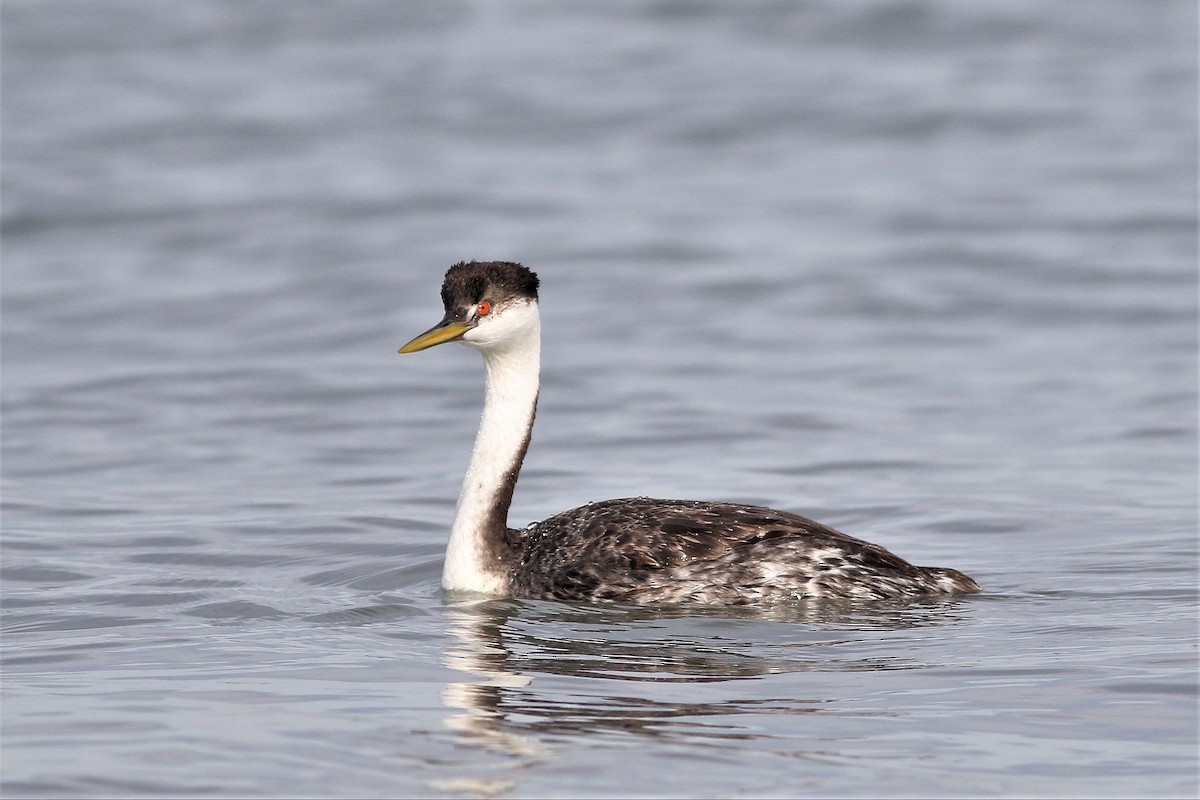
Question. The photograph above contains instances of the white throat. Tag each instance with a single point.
(511, 346)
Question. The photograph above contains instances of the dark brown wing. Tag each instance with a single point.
(678, 550)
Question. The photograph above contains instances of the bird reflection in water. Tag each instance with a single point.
(614, 654)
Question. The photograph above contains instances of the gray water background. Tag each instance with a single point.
(925, 271)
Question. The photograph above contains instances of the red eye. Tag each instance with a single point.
(483, 308)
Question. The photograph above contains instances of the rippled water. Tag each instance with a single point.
(925, 271)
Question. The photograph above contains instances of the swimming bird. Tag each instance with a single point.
(639, 549)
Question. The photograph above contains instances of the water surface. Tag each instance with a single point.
(925, 271)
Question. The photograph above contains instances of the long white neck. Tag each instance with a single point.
(479, 556)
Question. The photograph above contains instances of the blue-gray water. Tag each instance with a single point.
(922, 270)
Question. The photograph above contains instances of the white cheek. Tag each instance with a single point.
(510, 325)
(478, 338)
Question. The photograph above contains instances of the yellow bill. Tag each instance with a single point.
(442, 332)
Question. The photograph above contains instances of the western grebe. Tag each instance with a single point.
(638, 549)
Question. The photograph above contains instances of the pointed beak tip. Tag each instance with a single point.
(435, 335)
